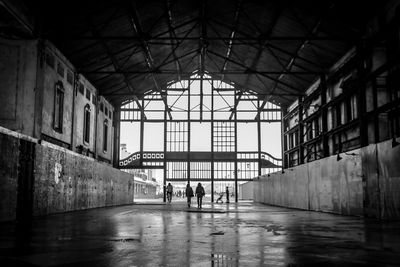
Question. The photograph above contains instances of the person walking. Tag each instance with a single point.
(189, 194)
(200, 194)
(227, 194)
(169, 192)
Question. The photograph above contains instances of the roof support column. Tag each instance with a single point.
(212, 142)
(259, 139)
(117, 131)
(236, 154)
(363, 120)
(324, 116)
(165, 156)
(301, 131)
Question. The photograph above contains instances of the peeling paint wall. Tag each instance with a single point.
(367, 183)
(63, 180)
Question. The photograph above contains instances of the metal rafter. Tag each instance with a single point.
(203, 43)
(259, 78)
(173, 35)
(291, 62)
(245, 40)
(114, 62)
(203, 40)
(256, 59)
(275, 47)
(277, 15)
(254, 71)
(232, 35)
(227, 72)
(280, 95)
(136, 25)
(165, 61)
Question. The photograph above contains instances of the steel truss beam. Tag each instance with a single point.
(243, 40)
(291, 62)
(174, 43)
(254, 71)
(115, 63)
(232, 36)
(136, 25)
(249, 71)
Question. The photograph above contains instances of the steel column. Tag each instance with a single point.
(324, 116)
(363, 123)
(117, 131)
(301, 131)
(188, 133)
(283, 145)
(259, 139)
(212, 142)
(165, 158)
(141, 133)
(376, 115)
(236, 154)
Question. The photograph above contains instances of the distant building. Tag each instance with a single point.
(145, 185)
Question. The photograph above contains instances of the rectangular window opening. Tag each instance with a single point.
(105, 136)
(86, 126)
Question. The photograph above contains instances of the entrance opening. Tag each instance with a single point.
(199, 130)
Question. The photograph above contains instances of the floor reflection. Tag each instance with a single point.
(217, 235)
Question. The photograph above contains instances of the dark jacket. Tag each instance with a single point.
(189, 192)
(200, 191)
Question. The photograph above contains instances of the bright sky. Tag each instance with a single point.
(201, 132)
(201, 137)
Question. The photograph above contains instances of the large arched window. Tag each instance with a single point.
(105, 135)
(58, 106)
(86, 124)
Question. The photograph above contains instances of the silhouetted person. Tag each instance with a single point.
(200, 194)
(227, 195)
(189, 194)
(169, 192)
(220, 197)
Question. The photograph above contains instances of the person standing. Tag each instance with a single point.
(200, 194)
(169, 192)
(227, 194)
(189, 194)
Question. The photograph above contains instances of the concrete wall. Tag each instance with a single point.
(9, 157)
(367, 183)
(246, 191)
(63, 180)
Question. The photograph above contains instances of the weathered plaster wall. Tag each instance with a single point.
(367, 183)
(18, 60)
(101, 118)
(80, 102)
(51, 76)
(63, 180)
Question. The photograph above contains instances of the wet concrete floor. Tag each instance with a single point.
(243, 234)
